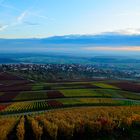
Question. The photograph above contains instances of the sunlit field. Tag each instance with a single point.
(68, 110)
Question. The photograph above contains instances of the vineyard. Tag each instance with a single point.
(33, 106)
(71, 124)
(70, 110)
(24, 96)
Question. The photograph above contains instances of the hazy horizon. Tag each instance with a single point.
(82, 26)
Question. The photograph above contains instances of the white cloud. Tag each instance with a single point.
(18, 10)
(21, 17)
(3, 27)
(129, 31)
(18, 21)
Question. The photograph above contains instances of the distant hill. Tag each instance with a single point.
(103, 39)
(68, 42)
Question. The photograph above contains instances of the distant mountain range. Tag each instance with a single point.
(70, 49)
(68, 43)
(110, 39)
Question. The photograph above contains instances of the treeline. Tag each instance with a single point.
(72, 124)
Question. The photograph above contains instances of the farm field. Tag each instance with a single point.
(24, 96)
(105, 85)
(29, 106)
(97, 123)
(70, 110)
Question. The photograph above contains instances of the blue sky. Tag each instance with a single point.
(43, 18)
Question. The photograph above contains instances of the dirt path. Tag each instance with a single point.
(12, 135)
(28, 130)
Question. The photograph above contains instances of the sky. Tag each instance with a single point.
(43, 18)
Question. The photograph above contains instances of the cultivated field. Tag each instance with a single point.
(70, 110)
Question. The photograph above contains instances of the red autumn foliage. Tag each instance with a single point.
(127, 86)
(54, 94)
(54, 104)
